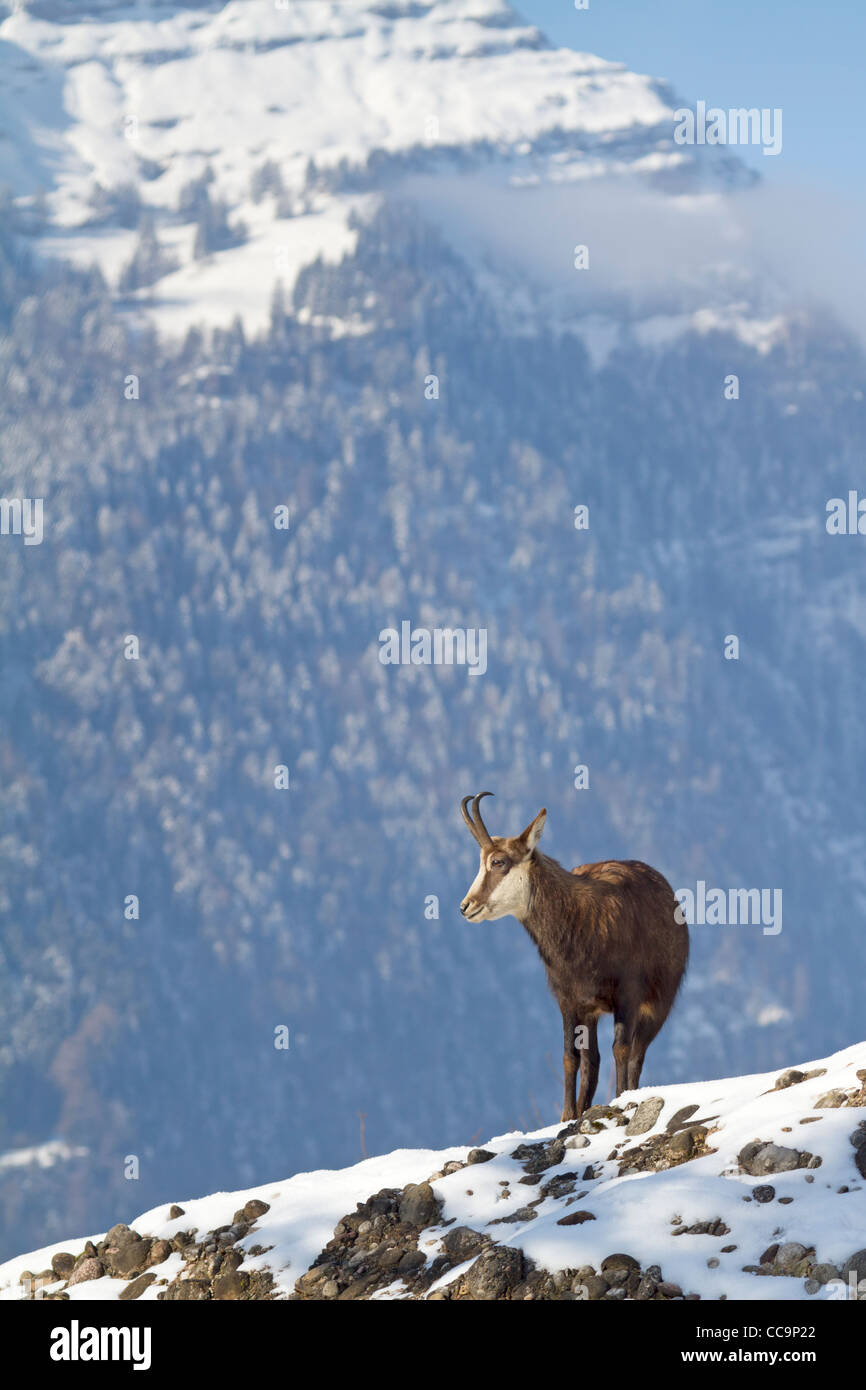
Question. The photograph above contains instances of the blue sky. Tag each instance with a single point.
(805, 56)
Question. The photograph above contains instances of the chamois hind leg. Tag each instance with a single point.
(589, 1061)
(648, 1025)
(622, 1036)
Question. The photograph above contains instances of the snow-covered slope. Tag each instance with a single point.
(111, 113)
(750, 1188)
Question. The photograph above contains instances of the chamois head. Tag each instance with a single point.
(501, 887)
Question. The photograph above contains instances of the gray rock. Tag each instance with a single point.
(789, 1255)
(230, 1286)
(645, 1116)
(410, 1261)
(479, 1156)
(461, 1243)
(681, 1117)
(760, 1159)
(85, 1270)
(858, 1139)
(136, 1287)
(418, 1205)
(120, 1236)
(619, 1263)
(764, 1192)
(255, 1208)
(822, 1274)
(577, 1141)
(131, 1259)
(496, 1270)
(831, 1100)
(856, 1264)
(515, 1217)
(575, 1218)
(63, 1263)
(187, 1291)
(792, 1077)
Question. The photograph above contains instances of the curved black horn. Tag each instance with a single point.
(475, 823)
(469, 822)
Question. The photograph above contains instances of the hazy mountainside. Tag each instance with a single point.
(258, 647)
(431, 458)
(745, 1188)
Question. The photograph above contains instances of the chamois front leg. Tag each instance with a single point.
(589, 1062)
(569, 1065)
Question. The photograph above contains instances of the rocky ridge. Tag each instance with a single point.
(467, 1231)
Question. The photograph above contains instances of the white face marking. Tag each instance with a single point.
(510, 897)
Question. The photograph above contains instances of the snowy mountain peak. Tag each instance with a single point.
(243, 137)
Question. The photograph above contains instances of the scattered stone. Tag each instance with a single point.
(461, 1243)
(137, 1287)
(788, 1256)
(479, 1156)
(63, 1264)
(495, 1271)
(619, 1262)
(575, 1218)
(831, 1100)
(537, 1158)
(418, 1205)
(254, 1209)
(764, 1192)
(858, 1140)
(760, 1159)
(175, 1211)
(130, 1259)
(791, 1077)
(515, 1217)
(186, 1290)
(85, 1270)
(681, 1117)
(231, 1285)
(645, 1116)
(560, 1185)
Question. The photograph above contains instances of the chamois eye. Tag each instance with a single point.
(498, 863)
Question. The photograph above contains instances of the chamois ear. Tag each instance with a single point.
(532, 833)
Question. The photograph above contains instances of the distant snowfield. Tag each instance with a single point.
(153, 99)
(636, 1213)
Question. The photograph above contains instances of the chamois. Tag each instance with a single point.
(612, 937)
